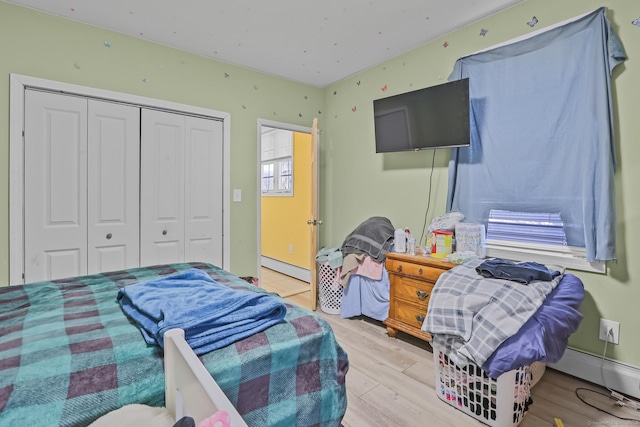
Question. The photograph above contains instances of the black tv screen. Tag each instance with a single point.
(433, 117)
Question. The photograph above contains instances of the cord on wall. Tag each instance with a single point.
(621, 400)
(424, 225)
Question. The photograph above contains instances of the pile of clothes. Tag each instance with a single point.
(363, 251)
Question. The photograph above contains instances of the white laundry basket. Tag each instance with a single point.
(501, 402)
(329, 289)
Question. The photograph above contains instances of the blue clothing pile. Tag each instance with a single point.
(521, 272)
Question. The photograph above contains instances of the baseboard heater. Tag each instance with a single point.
(618, 376)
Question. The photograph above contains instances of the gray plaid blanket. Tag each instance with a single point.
(469, 316)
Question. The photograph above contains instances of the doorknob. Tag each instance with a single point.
(164, 232)
(314, 222)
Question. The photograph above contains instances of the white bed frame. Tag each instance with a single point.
(190, 390)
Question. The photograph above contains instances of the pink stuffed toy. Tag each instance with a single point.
(219, 419)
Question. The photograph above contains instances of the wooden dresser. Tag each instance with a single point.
(412, 278)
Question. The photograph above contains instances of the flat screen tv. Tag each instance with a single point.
(433, 117)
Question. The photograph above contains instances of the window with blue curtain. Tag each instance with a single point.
(542, 131)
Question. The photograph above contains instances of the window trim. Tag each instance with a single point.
(571, 257)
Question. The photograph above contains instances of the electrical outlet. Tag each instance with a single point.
(605, 325)
(290, 249)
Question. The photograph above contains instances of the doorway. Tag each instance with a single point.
(284, 203)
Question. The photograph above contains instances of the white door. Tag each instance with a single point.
(181, 189)
(114, 186)
(203, 190)
(55, 186)
(162, 188)
(81, 186)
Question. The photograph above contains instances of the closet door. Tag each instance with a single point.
(55, 193)
(114, 186)
(181, 189)
(203, 190)
(162, 188)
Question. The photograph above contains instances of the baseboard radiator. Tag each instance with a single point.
(285, 268)
(618, 376)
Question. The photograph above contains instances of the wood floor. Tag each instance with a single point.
(391, 380)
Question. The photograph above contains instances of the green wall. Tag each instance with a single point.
(44, 46)
(397, 185)
(355, 182)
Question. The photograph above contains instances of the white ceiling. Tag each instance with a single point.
(313, 42)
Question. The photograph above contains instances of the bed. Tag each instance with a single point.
(69, 355)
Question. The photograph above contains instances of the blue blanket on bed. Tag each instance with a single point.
(211, 314)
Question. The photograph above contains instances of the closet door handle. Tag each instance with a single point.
(422, 295)
(109, 236)
(164, 232)
(420, 318)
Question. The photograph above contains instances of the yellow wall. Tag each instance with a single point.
(284, 219)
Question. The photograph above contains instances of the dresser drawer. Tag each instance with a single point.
(410, 314)
(416, 270)
(414, 291)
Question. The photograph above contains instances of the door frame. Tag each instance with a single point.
(283, 126)
(18, 84)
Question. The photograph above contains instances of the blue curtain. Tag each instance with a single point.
(542, 131)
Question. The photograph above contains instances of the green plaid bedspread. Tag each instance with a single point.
(68, 355)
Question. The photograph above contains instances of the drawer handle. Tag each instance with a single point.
(420, 318)
(420, 272)
(399, 269)
(422, 295)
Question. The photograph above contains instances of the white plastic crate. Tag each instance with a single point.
(329, 289)
(500, 402)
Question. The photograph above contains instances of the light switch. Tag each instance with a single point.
(237, 195)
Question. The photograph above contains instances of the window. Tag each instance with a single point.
(277, 162)
(528, 153)
(268, 178)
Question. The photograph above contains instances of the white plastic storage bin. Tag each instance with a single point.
(500, 402)
(329, 289)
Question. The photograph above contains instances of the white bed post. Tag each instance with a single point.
(190, 390)
(171, 394)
